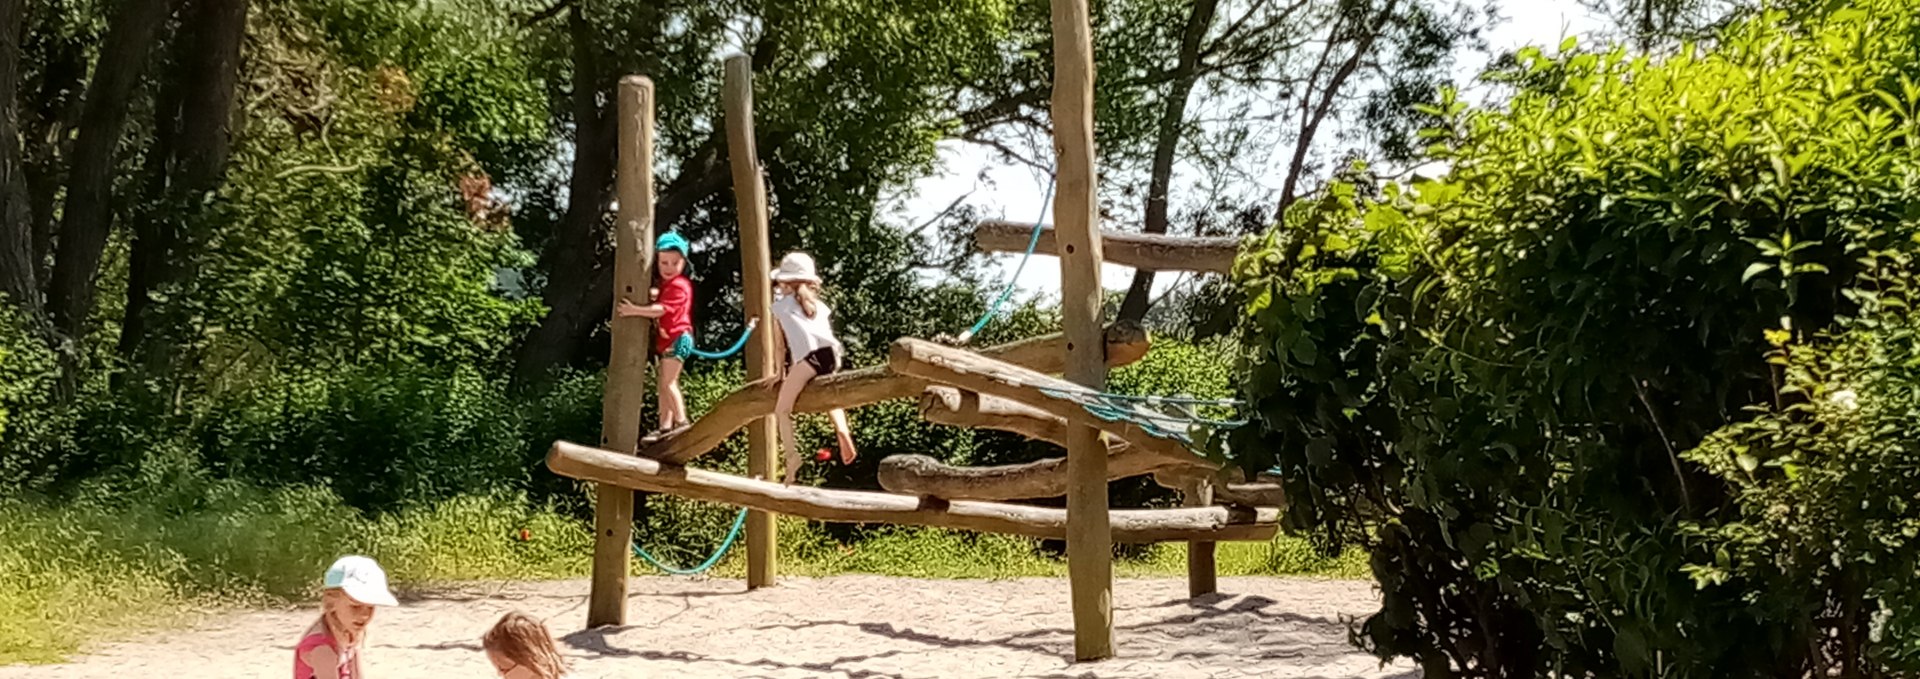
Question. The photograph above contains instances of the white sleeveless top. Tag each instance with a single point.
(805, 335)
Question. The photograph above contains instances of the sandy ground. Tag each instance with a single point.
(849, 626)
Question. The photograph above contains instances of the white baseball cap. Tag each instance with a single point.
(362, 580)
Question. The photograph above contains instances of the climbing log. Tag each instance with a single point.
(1226, 487)
(1150, 252)
(854, 506)
(854, 388)
(980, 373)
(922, 475)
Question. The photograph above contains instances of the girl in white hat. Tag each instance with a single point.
(331, 647)
(812, 351)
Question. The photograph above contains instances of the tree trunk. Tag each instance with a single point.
(18, 269)
(88, 216)
(1312, 114)
(572, 257)
(56, 110)
(1172, 119)
(206, 78)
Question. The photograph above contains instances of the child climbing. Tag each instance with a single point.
(520, 648)
(331, 647)
(812, 351)
(672, 309)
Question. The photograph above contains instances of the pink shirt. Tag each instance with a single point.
(301, 670)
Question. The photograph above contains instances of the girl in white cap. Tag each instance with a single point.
(331, 647)
(812, 351)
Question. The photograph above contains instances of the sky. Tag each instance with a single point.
(1006, 191)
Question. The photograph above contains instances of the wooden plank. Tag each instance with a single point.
(756, 265)
(626, 388)
(1150, 252)
(1089, 534)
(858, 506)
(865, 386)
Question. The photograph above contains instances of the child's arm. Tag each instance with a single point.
(628, 309)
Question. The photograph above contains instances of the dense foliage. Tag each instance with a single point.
(1540, 392)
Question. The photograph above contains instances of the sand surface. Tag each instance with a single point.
(847, 626)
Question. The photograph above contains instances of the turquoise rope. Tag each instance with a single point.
(717, 355)
(733, 535)
(1046, 200)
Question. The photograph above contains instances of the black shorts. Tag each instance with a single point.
(825, 361)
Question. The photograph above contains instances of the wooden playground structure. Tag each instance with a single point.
(1009, 387)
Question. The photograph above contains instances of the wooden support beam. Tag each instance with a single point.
(1150, 252)
(855, 506)
(939, 364)
(1225, 486)
(1089, 532)
(854, 388)
(957, 407)
(1202, 572)
(922, 475)
(756, 264)
(625, 391)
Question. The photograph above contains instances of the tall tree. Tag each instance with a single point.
(1650, 24)
(87, 216)
(194, 127)
(1173, 121)
(19, 281)
(1294, 72)
(572, 255)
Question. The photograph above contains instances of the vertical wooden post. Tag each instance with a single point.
(1202, 574)
(756, 264)
(626, 389)
(1089, 536)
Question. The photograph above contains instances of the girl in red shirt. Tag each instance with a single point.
(672, 311)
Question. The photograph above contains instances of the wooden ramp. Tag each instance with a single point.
(853, 506)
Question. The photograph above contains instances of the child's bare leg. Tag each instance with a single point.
(845, 433)
(797, 378)
(670, 369)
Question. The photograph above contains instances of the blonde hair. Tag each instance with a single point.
(331, 601)
(525, 641)
(808, 294)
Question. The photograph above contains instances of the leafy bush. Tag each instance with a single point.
(1821, 536)
(1488, 381)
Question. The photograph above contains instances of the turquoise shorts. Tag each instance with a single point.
(682, 347)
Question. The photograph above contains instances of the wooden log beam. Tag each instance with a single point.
(854, 506)
(1202, 569)
(1076, 214)
(922, 475)
(756, 270)
(980, 373)
(1124, 344)
(1262, 493)
(1149, 252)
(625, 391)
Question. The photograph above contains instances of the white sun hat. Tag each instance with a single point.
(362, 580)
(795, 267)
